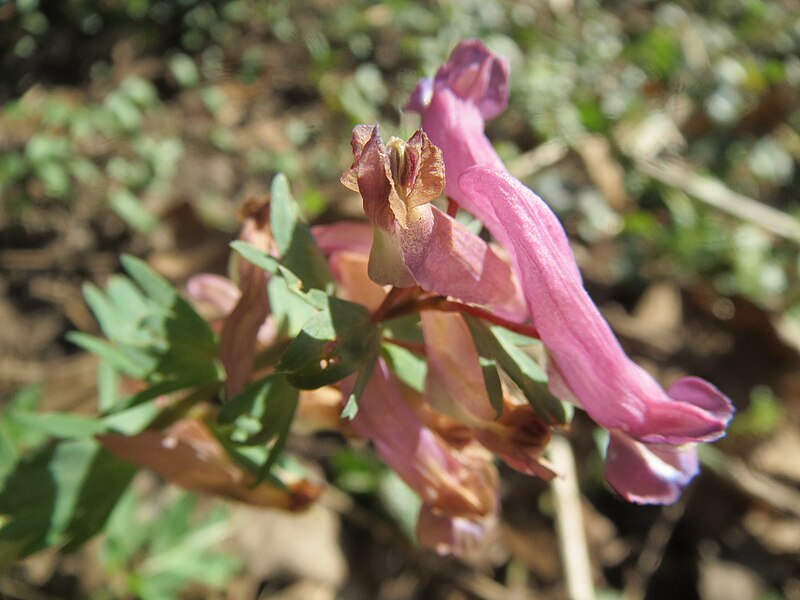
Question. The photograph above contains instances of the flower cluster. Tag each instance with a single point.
(652, 454)
(475, 401)
(653, 432)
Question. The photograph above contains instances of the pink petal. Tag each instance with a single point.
(616, 392)
(353, 236)
(446, 258)
(473, 73)
(454, 383)
(457, 482)
(218, 293)
(237, 344)
(458, 536)
(649, 473)
(349, 270)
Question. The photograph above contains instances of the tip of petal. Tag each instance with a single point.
(649, 473)
(421, 96)
(476, 74)
(703, 395)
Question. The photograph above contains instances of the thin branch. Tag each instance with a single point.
(395, 297)
(569, 521)
(715, 194)
(414, 347)
(443, 304)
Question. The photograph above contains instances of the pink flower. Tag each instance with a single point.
(454, 481)
(649, 426)
(471, 88)
(415, 242)
(459, 536)
(650, 456)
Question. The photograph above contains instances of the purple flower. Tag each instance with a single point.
(650, 456)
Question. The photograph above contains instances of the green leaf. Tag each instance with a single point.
(289, 314)
(182, 343)
(130, 361)
(8, 452)
(364, 375)
(262, 414)
(491, 379)
(154, 391)
(299, 250)
(332, 345)
(154, 285)
(256, 255)
(132, 420)
(15, 437)
(410, 368)
(499, 345)
(61, 425)
(118, 322)
(62, 495)
(130, 209)
(107, 386)
(122, 541)
(177, 547)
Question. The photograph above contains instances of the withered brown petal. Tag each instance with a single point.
(430, 181)
(361, 135)
(190, 456)
(374, 182)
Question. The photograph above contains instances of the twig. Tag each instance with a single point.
(443, 304)
(395, 297)
(715, 194)
(653, 549)
(569, 521)
(760, 486)
(413, 346)
(452, 207)
(544, 155)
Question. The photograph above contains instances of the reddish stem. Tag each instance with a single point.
(395, 297)
(443, 304)
(452, 207)
(413, 346)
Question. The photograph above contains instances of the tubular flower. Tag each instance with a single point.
(453, 481)
(651, 455)
(415, 242)
(468, 90)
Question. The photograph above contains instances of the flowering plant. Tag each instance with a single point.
(409, 330)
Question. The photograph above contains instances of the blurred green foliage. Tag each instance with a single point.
(724, 74)
(159, 556)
